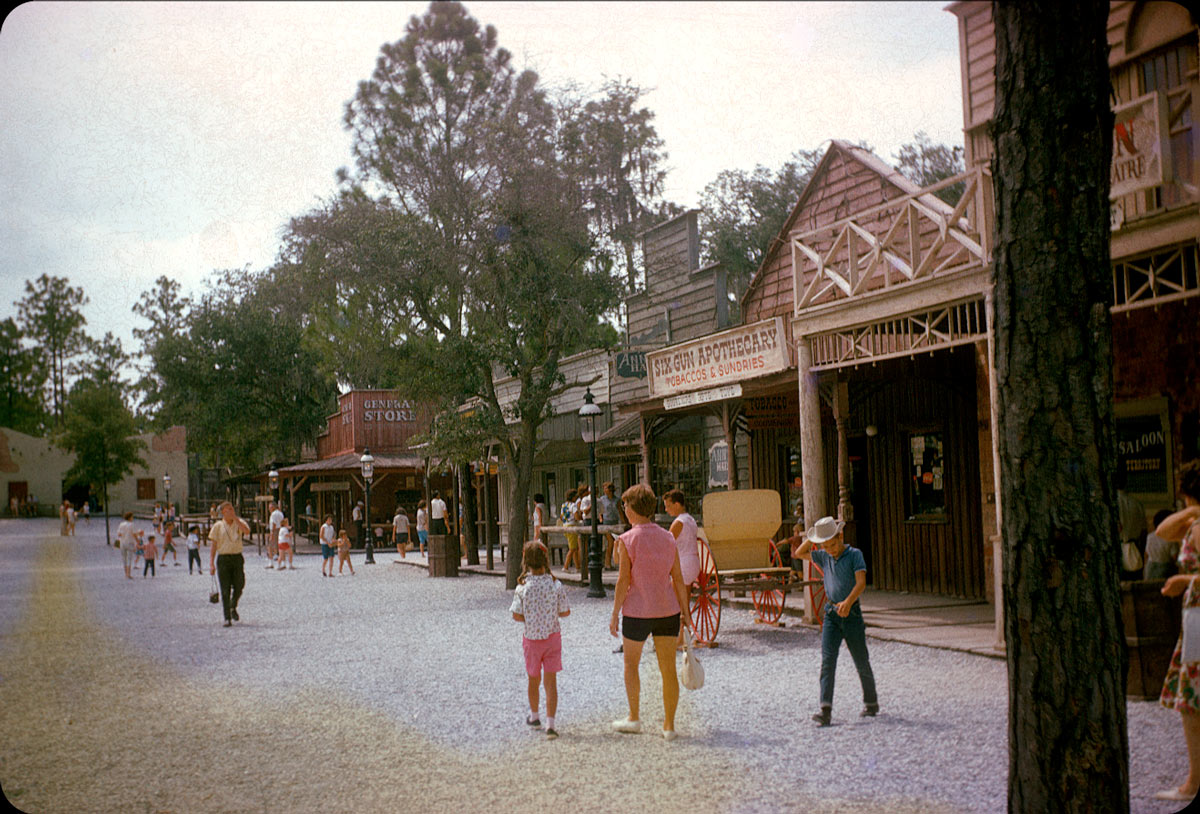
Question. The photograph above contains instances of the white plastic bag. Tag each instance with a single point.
(692, 673)
(1131, 556)
(1191, 636)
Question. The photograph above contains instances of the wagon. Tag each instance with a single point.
(738, 554)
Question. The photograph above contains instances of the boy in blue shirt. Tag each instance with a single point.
(845, 573)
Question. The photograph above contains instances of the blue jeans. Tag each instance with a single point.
(854, 631)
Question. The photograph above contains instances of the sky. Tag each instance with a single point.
(149, 139)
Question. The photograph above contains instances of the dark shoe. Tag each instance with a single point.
(869, 711)
(534, 722)
(233, 613)
(228, 623)
(822, 717)
(551, 734)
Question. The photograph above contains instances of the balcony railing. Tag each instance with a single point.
(905, 241)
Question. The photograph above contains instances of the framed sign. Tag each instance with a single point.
(927, 468)
(1143, 430)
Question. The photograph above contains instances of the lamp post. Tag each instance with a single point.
(367, 461)
(167, 487)
(587, 415)
(273, 477)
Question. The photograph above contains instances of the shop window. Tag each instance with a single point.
(145, 488)
(927, 484)
(791, 473)
(680, 466)
(1169, 71)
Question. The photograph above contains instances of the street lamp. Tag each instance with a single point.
(367, 461)
(273, 476)
(587, 415)
(167, 487)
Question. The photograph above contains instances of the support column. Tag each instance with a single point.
(998, 540)
(841, 413)
(812, 454)
(644, 422)
(730, 433)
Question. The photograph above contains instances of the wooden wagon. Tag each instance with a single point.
(738, 554)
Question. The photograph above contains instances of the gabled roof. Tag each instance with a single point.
(863, 157)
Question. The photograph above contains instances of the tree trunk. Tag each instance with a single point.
(1068, 744)
(467, 491)
(518, 509)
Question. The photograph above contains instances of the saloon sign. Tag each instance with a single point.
(723, 358)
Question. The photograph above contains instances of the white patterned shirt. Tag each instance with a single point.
(540, 600)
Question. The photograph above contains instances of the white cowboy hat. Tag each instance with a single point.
(824, 529)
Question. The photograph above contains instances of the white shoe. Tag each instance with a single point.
(1175, 795)
(627, 726)
(670, 735)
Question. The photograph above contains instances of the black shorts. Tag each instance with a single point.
(636, 630)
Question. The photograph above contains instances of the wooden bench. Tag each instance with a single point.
(560, 545)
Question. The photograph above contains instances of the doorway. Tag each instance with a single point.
(860, 498)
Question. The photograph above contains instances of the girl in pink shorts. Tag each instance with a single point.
(539, 601)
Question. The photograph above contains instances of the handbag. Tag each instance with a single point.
(692, 674)
(215, 596)
(1190, 652)
(1131, 556)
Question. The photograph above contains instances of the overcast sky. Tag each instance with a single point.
(143, 139)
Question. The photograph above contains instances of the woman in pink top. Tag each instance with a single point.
(650, 597)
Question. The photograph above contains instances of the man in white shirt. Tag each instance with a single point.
(275, 521)
(357, 517)
(437, 515)
(127, 541)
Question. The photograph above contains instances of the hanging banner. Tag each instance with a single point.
(719, 359)
(1140, 148)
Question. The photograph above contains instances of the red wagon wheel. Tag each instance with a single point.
(816, 593)
(768, 605)
(706, 598)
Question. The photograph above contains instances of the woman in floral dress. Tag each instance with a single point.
(1181, 689)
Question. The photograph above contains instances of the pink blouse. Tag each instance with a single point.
(652, 552)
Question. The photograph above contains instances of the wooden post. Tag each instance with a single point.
(994, 404)
(841, 411)
(812, 453)
(730, 431)
(645, 442)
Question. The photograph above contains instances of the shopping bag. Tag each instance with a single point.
(692, 674)
(215, 595)
(1131, 556)
(1191, 636)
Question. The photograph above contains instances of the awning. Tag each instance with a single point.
(625, 431)
(349, 461)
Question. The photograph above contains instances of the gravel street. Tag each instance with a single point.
(390, 691)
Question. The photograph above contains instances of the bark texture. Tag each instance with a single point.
(1068, 744)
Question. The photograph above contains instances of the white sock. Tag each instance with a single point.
(549, 721)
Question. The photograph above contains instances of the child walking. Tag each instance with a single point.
(193, 550)
(285, 544)
(343, 549)
(149, 551)
(539, 601)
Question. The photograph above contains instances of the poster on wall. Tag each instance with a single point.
(1142, 454)
(718, 465)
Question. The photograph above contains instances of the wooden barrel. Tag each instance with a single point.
(443, 555)
(1152, 624)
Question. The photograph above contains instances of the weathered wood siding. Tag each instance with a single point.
(393, 421)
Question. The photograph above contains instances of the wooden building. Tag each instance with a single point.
(685, 446)
(385, 423)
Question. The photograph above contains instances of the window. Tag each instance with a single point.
(680, 466)
(1170, 71)
(927, 485)
(145, 488)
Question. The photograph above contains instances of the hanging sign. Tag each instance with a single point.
(721, 358)
(729, 391)
(1140, 148)
(631, 364)
(718, 465)
(330, 486)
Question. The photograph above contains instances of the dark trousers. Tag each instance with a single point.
(438, 526)
(853, 630)
(194, 554)
(359, 539)
(231, 573)
(148, 568)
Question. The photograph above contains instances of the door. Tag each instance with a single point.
(860, 498)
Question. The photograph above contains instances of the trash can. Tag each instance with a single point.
(443, 555)
(1152, 623)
